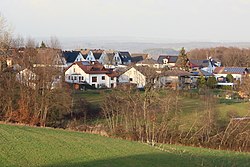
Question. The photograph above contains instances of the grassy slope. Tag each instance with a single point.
(26, 146)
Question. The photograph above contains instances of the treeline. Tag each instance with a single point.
(229, 56)
(154, 116)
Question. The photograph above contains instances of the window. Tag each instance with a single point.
(94, 79)
(103, 77)
(82, 78)
(112, 78)
(130, 79)
(74, 70)
(112, 85)
(69, 78)
(75, 78)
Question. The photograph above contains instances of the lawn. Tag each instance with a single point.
(192, 109)
(28, 146)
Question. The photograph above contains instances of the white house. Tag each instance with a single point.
(122, 58)
(167, 60)
(221, 73)
(72, 56)
(207, 65)
(94, 55)
(143, 75)
(91, 73)
(140, 76)
(149, 63)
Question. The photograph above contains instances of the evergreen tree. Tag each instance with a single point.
(182, 60)
(211, 82)
(43, 45)
(201, 82)
(230, 78)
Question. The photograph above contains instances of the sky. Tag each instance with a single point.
(173, 20)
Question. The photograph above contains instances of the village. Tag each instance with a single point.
(135, 83)
(106, 69)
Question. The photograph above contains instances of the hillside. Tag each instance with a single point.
(27, 146)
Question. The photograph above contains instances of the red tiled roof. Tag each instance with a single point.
(94, 68)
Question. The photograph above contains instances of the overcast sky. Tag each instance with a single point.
(179, 20)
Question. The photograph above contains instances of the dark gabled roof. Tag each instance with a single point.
(148, 61)
(199, 63)
(230, 70)
(202, 63)
(143, 55)
(97, 53)
(70, 56)
(136, 59)
(125, 56)
(171, 58)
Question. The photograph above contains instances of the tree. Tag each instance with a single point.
(42, 45)
(211, 82)
(230, 78)
(182, 60)
(54, 43)
(201, 82)
(5, 34)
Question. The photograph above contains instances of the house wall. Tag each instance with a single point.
(90, 56)
(236, 76)
(79, 58)
(116, 59)
(137, 78)
(149, 65)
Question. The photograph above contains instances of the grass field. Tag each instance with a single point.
(27, 146)
(191, 108)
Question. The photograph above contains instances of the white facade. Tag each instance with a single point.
(236, 76)
(76, 75)
(133, 76)
(90, 56)
(104, 59)
(116, 59)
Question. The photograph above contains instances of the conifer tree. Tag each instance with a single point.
(182, 60)
(43, 45)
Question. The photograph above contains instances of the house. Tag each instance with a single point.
(72, 56)
(106, 58)
(91, 73)
(143, 55)
(176, 79)
(27, 77)
(221, 73)
(167, 60)
(143, 75)
(136, 57)
(140, 76)
(94, 55)
(207, 65)
(50, 57)
(39, 78)
(122, 58)
(149, 63)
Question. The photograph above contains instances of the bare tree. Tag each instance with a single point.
(54, 43)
